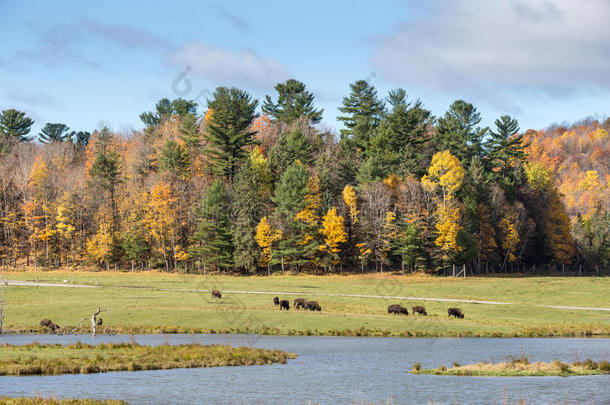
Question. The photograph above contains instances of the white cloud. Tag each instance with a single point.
(551, 47)
(244, 68)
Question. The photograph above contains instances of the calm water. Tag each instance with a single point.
(333, 370)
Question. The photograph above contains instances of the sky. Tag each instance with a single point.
(95, 64)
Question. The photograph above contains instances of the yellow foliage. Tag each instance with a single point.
(447, 228)
(510, 236)
(266, 236)
(333, 231)
(590, 182)
(539, 177)
(446, 171)
(349, 196)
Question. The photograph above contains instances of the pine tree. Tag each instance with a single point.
(402, 136)
(228, 130)
(54, 133)
(175, 159)
(459, 132)
(213, 238)
(362, 113)
(14, 127)
(504, 148)
(105, 171)
(293, 102)
(290, 147)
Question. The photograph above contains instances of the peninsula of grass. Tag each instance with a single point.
(519, 368)
(56, 401)
(79, 358)
(352, 305)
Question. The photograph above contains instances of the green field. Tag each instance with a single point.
(167, 303)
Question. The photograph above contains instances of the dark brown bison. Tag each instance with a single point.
(284, 304)
(49, 324)
(418, 309)
(300, 303)
(216, 293)
(313, 306)
(397, 309)
(276, 301)
(457, 312)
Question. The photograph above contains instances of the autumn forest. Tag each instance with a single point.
(257, 188)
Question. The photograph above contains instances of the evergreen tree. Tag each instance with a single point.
(505, 149)
(80, 138)
(14, 127)
(459, 132)
(175, 159)
(54, 133)
(293, 102)
(213, 238)
(402, 136)
(105, 171)
(250, 195)
(363, 112)
(183, 107)
(228, 130)
(287, 149)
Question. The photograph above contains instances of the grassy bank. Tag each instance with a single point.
(168, 303)
(79, 358)
(55, 401)
(519, 368)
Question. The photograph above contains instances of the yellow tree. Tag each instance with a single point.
(66, 223)
(350, 199)
(160, 220)
(510, 237)
(334, 234)
(446, 172)
(39, 210)
(100, 246)
(309, 218)
(266, 237)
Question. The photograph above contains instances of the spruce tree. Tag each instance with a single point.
(459, 132)
(213, 238)
(51, 133)
(293, 102)
(228, 130)
(362, 113)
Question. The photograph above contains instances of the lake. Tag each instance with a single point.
(333, 370)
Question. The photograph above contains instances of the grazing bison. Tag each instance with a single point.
(313, 306)
(457, 312)
(418, 309)
(284, 304)
(276, 301)
(47, 323)
(397, 309)
(300, 303)
(216, 293)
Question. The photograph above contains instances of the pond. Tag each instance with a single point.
(333, 370)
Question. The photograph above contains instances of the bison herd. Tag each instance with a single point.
(418, 309)
(299, 303)
(304, 303)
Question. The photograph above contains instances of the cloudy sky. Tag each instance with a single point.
(89, 64)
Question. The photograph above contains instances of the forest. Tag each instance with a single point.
(258, 188)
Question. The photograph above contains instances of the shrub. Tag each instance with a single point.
(417, 366)
(604, 366)
(456, 364)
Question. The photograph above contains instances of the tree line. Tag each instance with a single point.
(238, 190)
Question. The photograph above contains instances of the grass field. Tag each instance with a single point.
(171, 306)
(37, 359)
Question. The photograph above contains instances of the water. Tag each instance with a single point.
(334, 370)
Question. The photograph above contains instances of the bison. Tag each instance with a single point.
(300, 303)
(418, 309)
(216, 293)
(313, 306)
(457, 312)
(284, 304)
(397, 309)
(276, 301)
(49, 324)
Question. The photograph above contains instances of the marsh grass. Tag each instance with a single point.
(521, 367)
(80, 358)
(55, 401)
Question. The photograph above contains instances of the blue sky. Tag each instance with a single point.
(89, 64)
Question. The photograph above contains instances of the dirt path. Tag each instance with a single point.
(396, 297)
